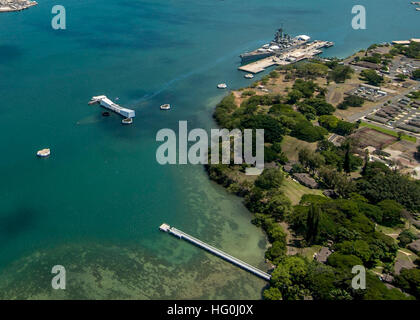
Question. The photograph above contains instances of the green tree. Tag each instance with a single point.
(371, 77)
(380, 183)
(307, 88)
(270, 178)
(294, 96)
(290, 278)
(322, 281)
(272, 293)
(320, 105)
(343, 262)
(340, 73)
(277, 250)
(347, 163)
(314, 215)
(405, 238)
(376, 290)
(306, 131)
(409, 281)
(311, 160)
(391, 212)
(279, 205)
(337, 181)
(273, 130)
(365, 163)
(416, 74)
(358, 248)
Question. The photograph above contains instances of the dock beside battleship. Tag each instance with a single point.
(182, 235)
(306, 51)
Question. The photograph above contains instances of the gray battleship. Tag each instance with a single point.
(282, 42)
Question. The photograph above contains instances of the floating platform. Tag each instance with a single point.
(182, 235)
(105, 102)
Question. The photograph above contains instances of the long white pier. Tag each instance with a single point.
(105, 102)
(182, 235)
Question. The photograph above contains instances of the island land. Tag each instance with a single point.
(341, 183)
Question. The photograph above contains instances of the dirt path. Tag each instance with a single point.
(291, 239)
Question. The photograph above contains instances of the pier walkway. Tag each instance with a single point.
(182, 235)
(105, 102)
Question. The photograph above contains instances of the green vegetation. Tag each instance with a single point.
(270, 178)
(311, 70)
(381, 183)
(335, 157)
(340, 73)
(333, 124)
(414, 94)
(405, 238)
(248, 93)
(401, 77)
(409, 280)
(410, 51)
(351, 101)
(416, 74)
(367, 198)
(371, 77)
(387, 131)
(374, 58)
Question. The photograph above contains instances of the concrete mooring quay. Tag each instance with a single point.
(182, 235)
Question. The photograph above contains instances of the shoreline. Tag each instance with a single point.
(229, 178)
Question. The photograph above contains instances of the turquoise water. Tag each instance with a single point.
(94, 206)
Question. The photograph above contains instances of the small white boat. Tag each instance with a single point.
(43, 153)
(249, 76)
(222, 86)
(127, 121)
(165, 106)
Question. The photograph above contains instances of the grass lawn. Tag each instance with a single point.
(405, 254)
(393, 232)
(388, 131)
(291, 147)
(310, 251)
(294, 191)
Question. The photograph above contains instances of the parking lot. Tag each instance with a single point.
(403, 65)
(403, 114)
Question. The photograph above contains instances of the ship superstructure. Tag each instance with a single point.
(282, 42)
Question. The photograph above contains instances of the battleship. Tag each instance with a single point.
(282, 42)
